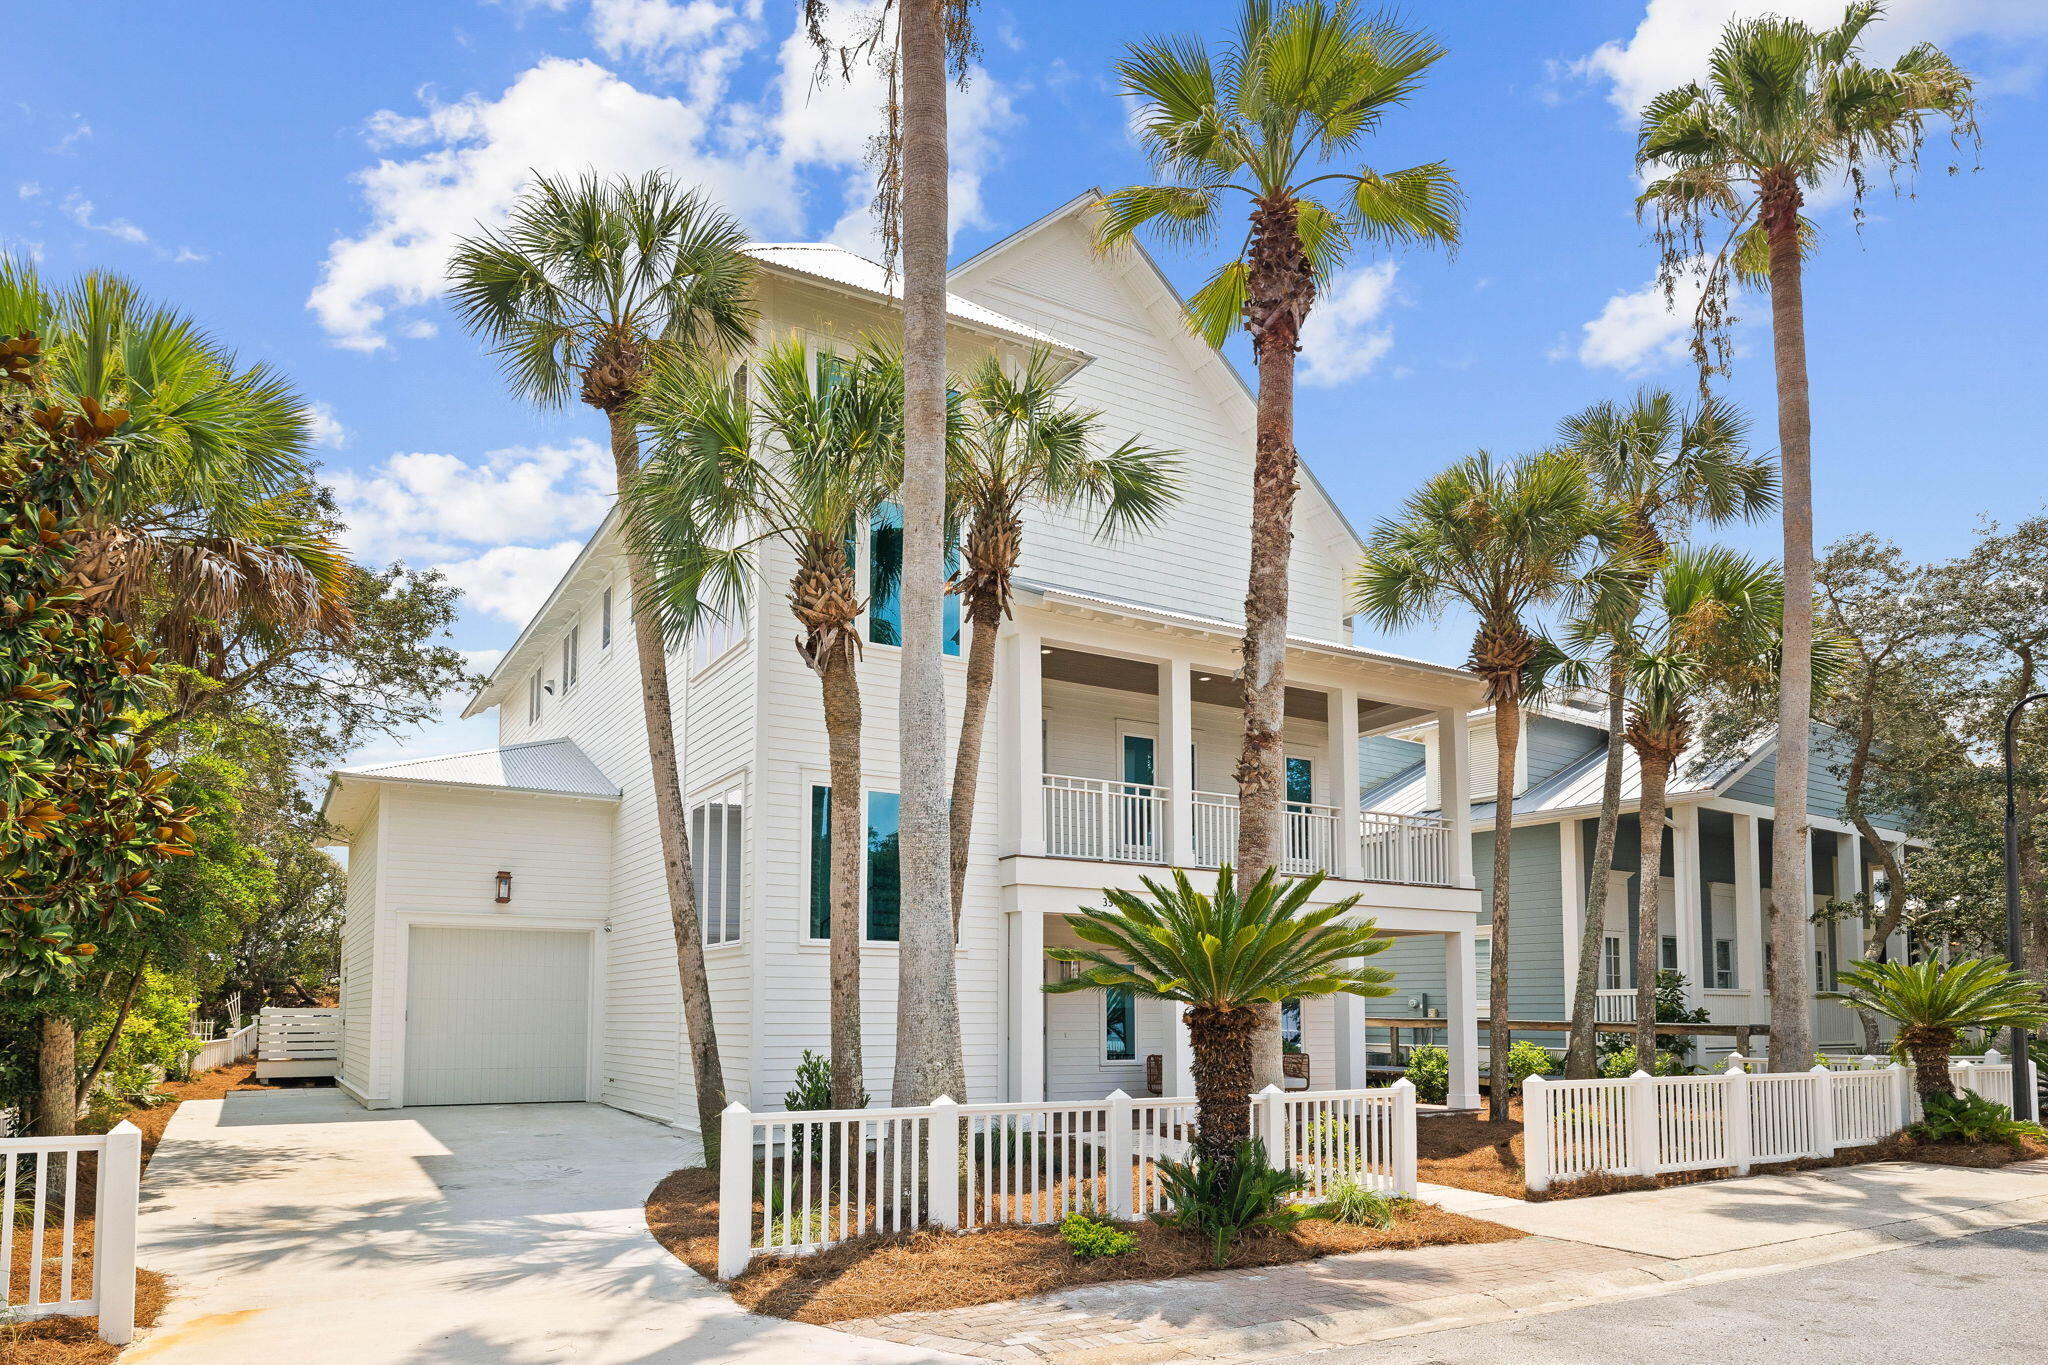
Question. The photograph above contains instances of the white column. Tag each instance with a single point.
(1021, 693)
(1849, 884)
(1571, 869)
(1027, 1003)
(1175, 759)
(1350, 1024)
(1177, 1058)
(1345, 788)
(1751, 931)
(1685, 876)
(1454, 780)
(1461, 1018)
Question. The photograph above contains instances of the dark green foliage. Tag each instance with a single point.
(813, 1088)
(1968, 1117)
(1091, 1239)
(1223, 1200)
(1430, 1069)
(1347, 1201)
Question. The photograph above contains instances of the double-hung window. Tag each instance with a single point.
(717, 848)
(1611, 977)
(1724, 964)
(882, 876)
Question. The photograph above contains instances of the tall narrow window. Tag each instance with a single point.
(885, 583)
(717, 843)
(533, 696)
(1119, 1033)
(1667, 956)
(821, 862)
(832, 371)
(1610, 963)
(571, 652)
(1290, 1026)
(1724, 964)
(879, 849)
(1482, 971)
(604, 620)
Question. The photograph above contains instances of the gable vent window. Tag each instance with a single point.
(604, 620)
(571, 657)
(717, 843)
(533, 697)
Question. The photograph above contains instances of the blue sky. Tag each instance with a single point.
(291, 175)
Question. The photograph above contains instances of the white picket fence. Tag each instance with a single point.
(226, 1049)
(39, 1195)
(1652, 1125)
(298, 1043)
(824, 1176)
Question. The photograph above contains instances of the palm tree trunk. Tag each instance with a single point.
(983, 615)
(1791, 1000)
(1930, 1064)
(1649, 891)
(1507, 737)
(928, 1058)
(106, 1052)
(839, 687)
(1221, 1041)
(1579, 1056)
(57, 1078)
(658, 717)
(1281, 288)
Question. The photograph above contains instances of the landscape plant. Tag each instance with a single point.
(1934, 1002)
(1429, 1067)
(1966, 1117)
(1350, 1201)
(1222, 1200)
(1091, 1239)
(1526, 1059)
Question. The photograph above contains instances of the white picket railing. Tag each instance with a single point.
(40, 1203)
(1309, 838)
(297, 1043)
(1615, 1006)
(1215, 828)
(1415, 849)
(227, 1049)
(1086, 817)
(792, 1183)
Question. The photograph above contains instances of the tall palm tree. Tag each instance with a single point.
(1021, 447)
(1505, 541)
(1786, 110)
(1224, 955)
(801, 467)
(586, 288)
(1933, 1002)
(1668, 468)
(1298, 87)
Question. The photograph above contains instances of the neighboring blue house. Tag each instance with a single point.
(1716, 869)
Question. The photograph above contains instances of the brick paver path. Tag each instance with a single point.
(1194, 1305)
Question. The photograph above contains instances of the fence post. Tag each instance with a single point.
(1404, 1136)
(1823, 1110)
(735, 1190)
(1736, 1111)
(113, 1232)
(1642, 1122)
(1271, 1125)
(1867, 1063)
(1535, 1132)
(1902, 1095)
(1117, 1160)
(942, 1166)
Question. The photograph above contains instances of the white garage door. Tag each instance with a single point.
(496, 1016)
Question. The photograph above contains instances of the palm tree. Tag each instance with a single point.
(1505, 541)
(589, 284)
(1224, 955)
(1020, 447)
(1298, 87)
(1933, 1002)
(1786, 110)
(801, 467)
(1668, 468)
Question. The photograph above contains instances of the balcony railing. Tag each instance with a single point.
(1615, 1006)
(1407, 848)
(1119, 821)
(1310, 838)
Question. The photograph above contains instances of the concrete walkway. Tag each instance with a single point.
(300, 1228)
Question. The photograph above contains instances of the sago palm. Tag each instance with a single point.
(802, 466)
(1786, 110)
(1933, 1002)
(1505, 541)
(586, 288)
(1669, 467)
(1225, 955)
(1022, 448)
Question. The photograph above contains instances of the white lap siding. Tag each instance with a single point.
(360, 983)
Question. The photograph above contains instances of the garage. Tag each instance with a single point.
(497, 1016)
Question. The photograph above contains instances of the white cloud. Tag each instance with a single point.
(511, 581)
(1671, 43)
(84, 212)
(1347, 332)
(422, 505)
(28, 189)
(324, 427)
(1638, 331)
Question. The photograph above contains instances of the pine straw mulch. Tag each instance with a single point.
(75, 1341)
(923, 1271)
(1475, 1153)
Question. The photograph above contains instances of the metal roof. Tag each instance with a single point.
(824, 261)
(548, 767)
(1574, 787)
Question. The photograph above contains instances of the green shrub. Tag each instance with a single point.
(1090, 1239)
(1620, 1064)
(1967, 1117)
(1347, 1201)
(1430, 1069)
(813, 1088)
(1222, 1201)
(1526, 1059)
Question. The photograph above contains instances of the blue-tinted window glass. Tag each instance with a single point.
(884, 875)
(821, 862)
(1119, 1041)
(1301, 781)
(885, 578)
(1290, 1026)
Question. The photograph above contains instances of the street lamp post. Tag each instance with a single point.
(2022, 1065)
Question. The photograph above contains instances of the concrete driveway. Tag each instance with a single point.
(298, 1227)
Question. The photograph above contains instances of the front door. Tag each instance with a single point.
(1301, 826)
(1136, 820)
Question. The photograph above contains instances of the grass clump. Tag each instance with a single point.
(1091, 1239)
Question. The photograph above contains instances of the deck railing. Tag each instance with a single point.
(39, 1193)
(1415, 849)
(1615, 1006)
(1086, 817)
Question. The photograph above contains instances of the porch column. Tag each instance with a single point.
(1345, 788)
(1027, 1003)
(1461, 1018)
(1453, 776)
(1021, 693)
(1177, 1056)
(1750, 928)
(1175, 759)
(1571, 870)
(1350, 1023)
(1849, 884)
(1685, 877)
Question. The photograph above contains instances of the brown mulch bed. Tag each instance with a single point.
(1475, 1153)
(923, 1271)
(75, 1341)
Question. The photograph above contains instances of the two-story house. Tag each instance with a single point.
(508, 936)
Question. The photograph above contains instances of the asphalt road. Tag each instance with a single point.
(1981, 1299)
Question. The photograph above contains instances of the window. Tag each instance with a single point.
(1290, 1026)
(832, 371)
(883, 879)
(885, 575)
(1301, 781)
(1119, 1034)
(1667, 953)
(571, 657)
(533, 696)
(1482, 971)
(717, 843)
(713, 636)
(1610, 963)
(1724, 964)
(604, 620)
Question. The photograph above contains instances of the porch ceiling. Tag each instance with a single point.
(1058, 664)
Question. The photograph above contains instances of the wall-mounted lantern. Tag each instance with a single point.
(504, 888)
